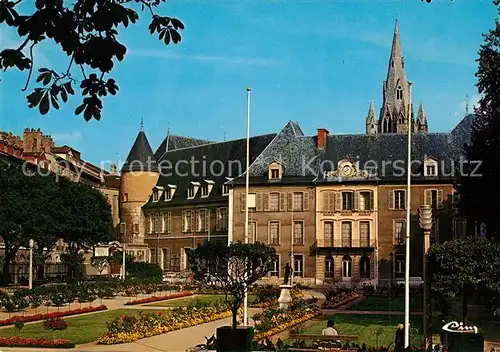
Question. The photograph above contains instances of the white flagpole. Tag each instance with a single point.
(408, 218)
(291, 250)
(247, 179)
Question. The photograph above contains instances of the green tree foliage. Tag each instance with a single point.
(464, 267)
(484, 146)
(87, 32)
(142, 270)
(232, 268)
(47, 208)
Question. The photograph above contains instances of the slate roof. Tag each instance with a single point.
(173, 142)
(140, 157)
(215, 162)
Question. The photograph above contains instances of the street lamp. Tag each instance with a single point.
(123, 262)
(31, 244)
(425, 222)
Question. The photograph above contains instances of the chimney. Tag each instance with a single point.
(321, 140)
(113, 170)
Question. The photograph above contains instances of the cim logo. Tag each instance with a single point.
(454, 326)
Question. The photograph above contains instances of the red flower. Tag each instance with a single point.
(160, 298)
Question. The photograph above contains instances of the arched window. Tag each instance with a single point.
(364, 267)
(399, 93)
(329, 267)
(166, 259)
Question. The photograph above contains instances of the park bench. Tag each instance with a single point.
(325, 339)
(414, 281)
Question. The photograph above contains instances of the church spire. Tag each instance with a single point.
(421, 123)
(371, 120)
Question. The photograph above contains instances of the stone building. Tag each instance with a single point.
(333, 206)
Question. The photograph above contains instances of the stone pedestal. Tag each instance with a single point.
(285, 297)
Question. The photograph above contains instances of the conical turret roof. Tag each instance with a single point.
(140, 157)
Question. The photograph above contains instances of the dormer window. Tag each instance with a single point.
(430, 167)
(275, 171)
(193, 189)
(156, 195)
(169, 192)
(225, 190)
(204, 191)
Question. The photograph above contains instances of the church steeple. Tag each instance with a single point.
(421, 123)
(371, 120)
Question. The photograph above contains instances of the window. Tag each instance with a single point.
(157, 219)
(364, 234)
(399, 93)
(167, 222)
(123, 227)
(399, 231)
(328, 233)
(347, 200)
(298, 232)
(168, 194)
(365, 201)
(298, 265)
(434, 198)
(346, 268)
(329, 267)
(225, 190)
(204, 191)
(252, 232)
(190, 192)
(252, 201)
(275, 269)
(298, 201)
(399, 265)
(459, 227)
(399, 199)
(222, 219)
(149, 221)
(187, 218)
(125, 197)
(346, 234)
(364, 267)
(430, 170)
(275, 174)
(136, 228)
(274, 232)
(274, 202)
(202, 218)
(166, 259)
(156, 195)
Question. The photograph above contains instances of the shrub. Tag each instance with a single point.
(141, 270)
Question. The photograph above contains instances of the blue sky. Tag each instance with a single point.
(317, 62)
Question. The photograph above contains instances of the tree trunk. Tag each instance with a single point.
(234, 310)
(40, 271)
(8, 255)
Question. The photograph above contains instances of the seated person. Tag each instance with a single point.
(330, 330)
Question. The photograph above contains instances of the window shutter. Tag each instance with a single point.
(162, 222)
(169, 222)
(390, 199)
(326, 201)
(219, 219)
(394, 232)
(440, 198)
(305, 201)
(356, 200)
(338, 201)
(198, 220)
(258, 200)
(157, 223)
(290, 200)
(243, 201)
(282, 201)
(331, 201)
(266, 201)
(372, 201)
(183, 221)
(207, 219)
(427, 197)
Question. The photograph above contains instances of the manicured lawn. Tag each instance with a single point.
(181, 302)
(366, 327)
(388, 304)
(81, 329)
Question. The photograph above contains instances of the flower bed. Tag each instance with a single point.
(338, 298)
(132, 328)
(30, 318)
(16, 341)
(273, 321)
(159, 298)
(295, 293)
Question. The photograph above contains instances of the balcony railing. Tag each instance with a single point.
(344, 243)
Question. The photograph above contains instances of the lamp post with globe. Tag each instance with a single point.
(425, 222)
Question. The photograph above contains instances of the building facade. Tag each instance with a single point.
(333, 206)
